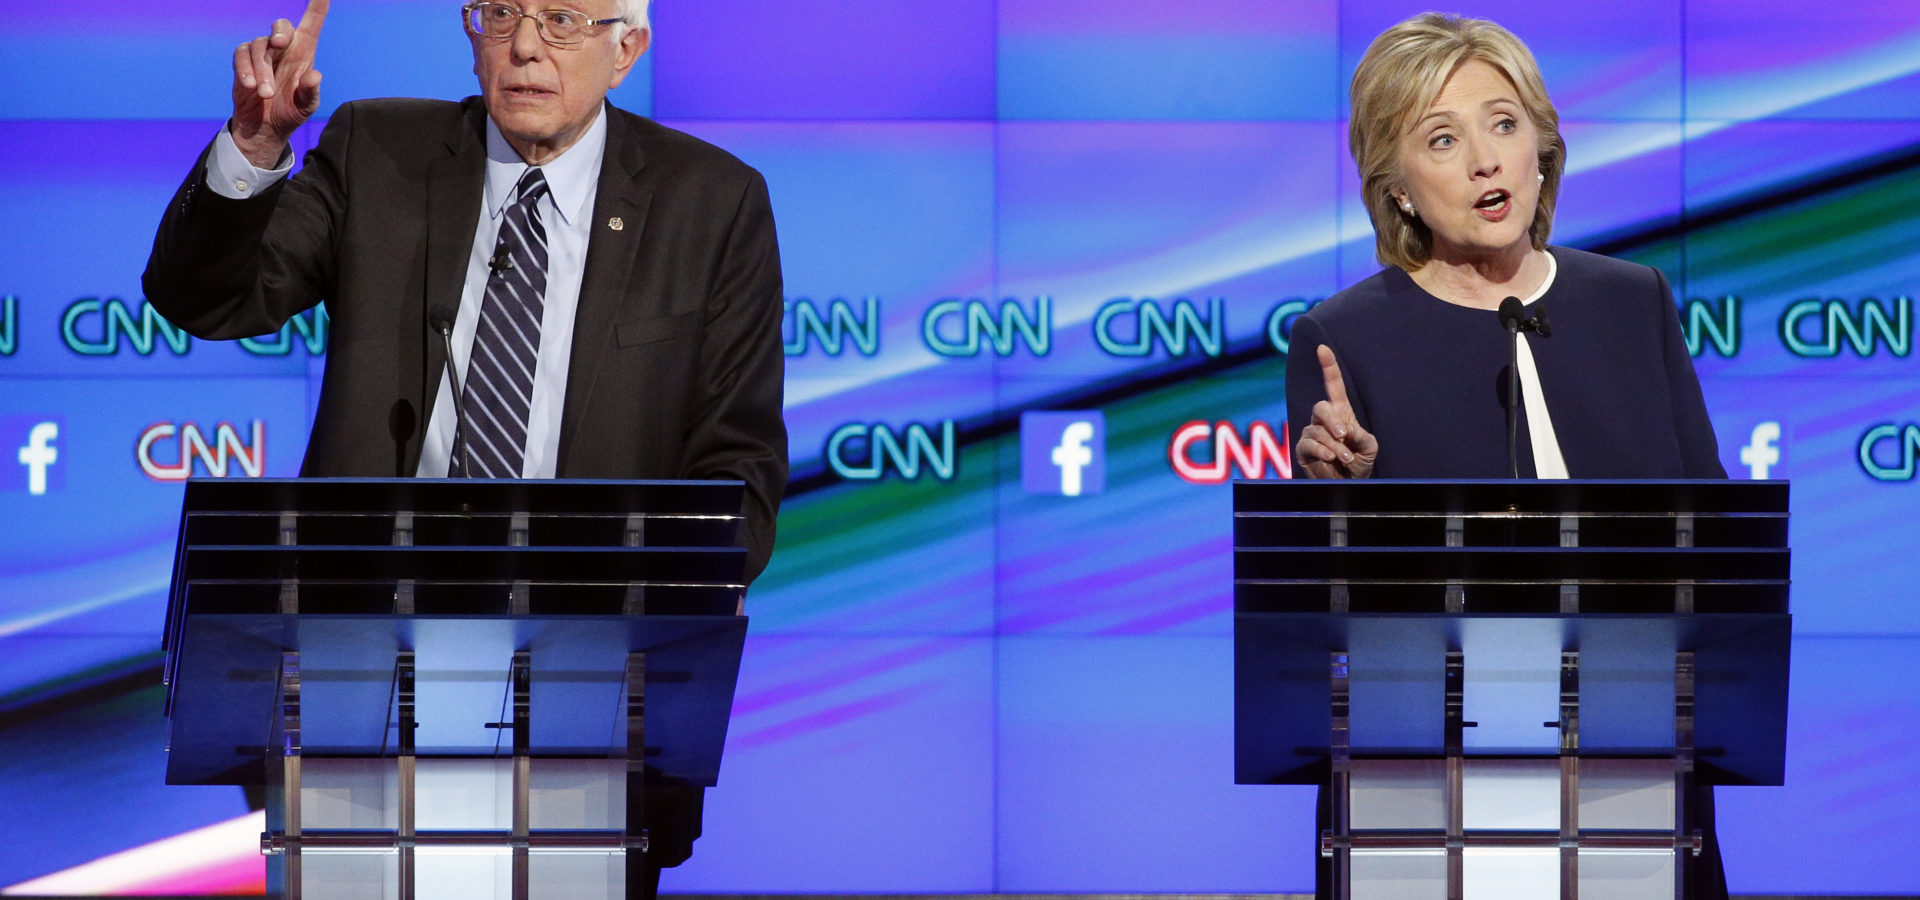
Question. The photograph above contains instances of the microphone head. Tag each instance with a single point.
(400, 421)
(1511, 313)
(440, 316)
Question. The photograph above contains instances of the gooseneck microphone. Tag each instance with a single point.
(1511, 314)
(441, 317)
(1514, 318)
(400, 423)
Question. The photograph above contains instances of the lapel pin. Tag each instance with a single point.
(617, 224)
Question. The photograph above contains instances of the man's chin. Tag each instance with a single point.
(521, 131)
(520, 113)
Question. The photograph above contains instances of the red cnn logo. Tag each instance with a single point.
(225, 447)
(1251, 455)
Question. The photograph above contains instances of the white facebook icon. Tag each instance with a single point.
(38, 454)
(1762, 452)
(1063, 452)
(1072, 455)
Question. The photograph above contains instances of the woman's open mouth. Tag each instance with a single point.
(1494, 205)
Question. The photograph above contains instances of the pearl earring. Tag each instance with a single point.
(1543, 177)
(1408, 206)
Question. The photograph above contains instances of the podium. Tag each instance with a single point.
(1510, 688)
(452, 688)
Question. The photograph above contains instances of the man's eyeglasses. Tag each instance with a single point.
(559, 27)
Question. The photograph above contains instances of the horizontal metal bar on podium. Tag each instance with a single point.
(1437, 839)
(315, 839)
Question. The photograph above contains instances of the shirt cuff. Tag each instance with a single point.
(232, 176)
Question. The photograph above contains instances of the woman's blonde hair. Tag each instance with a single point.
(1398, 79)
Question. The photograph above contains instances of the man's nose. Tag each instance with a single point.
(528, 43)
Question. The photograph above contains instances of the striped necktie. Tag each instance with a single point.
(506, 345)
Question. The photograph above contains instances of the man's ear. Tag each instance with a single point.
(633, 45)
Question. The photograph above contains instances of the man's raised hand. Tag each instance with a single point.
(1334, 445)
(275, 86)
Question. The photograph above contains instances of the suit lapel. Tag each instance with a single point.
(612, 251)
(454, 182)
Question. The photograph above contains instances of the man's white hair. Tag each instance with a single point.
(635, 12)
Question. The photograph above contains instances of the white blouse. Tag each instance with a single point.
(1547, 461)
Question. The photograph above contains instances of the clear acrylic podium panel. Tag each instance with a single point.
(445, 874)
(1282, 720)
(1529, 672)
(1512, 770)
(227, 690)
(464, 773)
(1511, 874)
(464, 794)
(1513, 795)
(443, 682)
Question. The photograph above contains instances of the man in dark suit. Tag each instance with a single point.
(608, 289)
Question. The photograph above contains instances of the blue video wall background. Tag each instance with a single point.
(955, 682)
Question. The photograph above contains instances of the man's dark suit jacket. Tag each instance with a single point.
(677, 362)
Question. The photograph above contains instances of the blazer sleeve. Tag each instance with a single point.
(1305, 387)
(736, 428)
(223, 268)
(1692, 428)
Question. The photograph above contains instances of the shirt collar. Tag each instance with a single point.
(1546, 284)
(571, 177)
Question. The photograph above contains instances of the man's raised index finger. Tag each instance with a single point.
(314, 17)
(1330, 373)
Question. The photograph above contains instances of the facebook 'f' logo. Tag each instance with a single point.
(1063, 453)
(1762, 452)
(36, 450)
